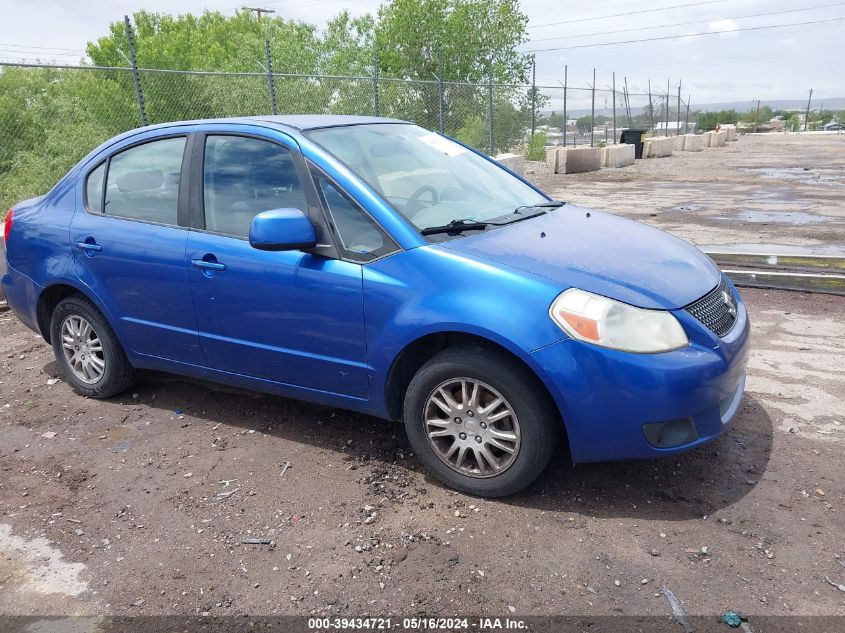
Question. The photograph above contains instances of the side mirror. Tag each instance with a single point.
(282, 230)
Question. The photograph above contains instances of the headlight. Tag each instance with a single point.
(608, 323)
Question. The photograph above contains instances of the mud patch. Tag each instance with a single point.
(806, 176)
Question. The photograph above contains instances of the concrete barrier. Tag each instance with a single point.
(617, 155)
(693, 142)
(573, 160)
(707, 139)
(730, 130)
(658, 146)
(514, 162)
(718, 139)
(677, 143)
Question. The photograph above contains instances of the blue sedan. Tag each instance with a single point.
(373, 265)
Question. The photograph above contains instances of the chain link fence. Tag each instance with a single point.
(51, 116)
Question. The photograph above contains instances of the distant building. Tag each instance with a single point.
(834, 126)
(674, 126)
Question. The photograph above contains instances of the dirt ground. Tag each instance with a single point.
(767, 192)
(139, 505)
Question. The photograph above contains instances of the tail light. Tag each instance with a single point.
(7, 227)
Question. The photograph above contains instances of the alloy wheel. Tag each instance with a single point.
(83, 349)
(471, 427)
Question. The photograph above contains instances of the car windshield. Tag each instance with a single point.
(428, 178)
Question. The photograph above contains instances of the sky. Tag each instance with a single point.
(717, 60)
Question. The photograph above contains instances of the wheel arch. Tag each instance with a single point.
(53, 294)
(419, 351)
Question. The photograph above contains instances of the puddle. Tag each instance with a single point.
(812, 176)
(796, 218)
(35, 566)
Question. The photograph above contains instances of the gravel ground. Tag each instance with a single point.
(765, 190)
(141, 504)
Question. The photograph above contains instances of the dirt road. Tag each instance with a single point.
(763, 191)
(140, 504)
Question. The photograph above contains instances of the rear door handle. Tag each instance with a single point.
(89, 247)
(206, 265)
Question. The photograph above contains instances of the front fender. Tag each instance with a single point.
(429, 290)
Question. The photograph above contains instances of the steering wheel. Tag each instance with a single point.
(413, 203)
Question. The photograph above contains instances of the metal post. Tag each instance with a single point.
(650, 106)
(375, 80)
(441, 86)
(614, 107)
(686, 122)
(490, 109)
(136, 74)
(807, 114)
(271, 84)
(533, 96)
(565, 124)
(667, 106)
(679, 108)
(628, 104)
(593, 109)
(757, 116)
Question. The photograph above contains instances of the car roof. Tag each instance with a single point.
(298, 122)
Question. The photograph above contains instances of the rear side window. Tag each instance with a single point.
(142, 182)
(244, 176)
(94, 189)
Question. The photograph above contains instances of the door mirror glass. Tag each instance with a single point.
(282, 230)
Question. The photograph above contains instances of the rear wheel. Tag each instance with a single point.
(88, 351)
(480, 422)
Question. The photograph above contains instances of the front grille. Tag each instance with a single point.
(716, 310)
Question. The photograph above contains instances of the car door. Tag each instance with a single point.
(292, 317)
(129, 246)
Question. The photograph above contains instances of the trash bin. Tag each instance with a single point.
(636, 138)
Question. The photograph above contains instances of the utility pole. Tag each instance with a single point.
(679, 109)
(668, 86)
(807, 114)
(593, 109)
(650, 106)
(258, 11)
(565, 122)
(614, 107)
(757, 116)
(686, 121)
(533, 96)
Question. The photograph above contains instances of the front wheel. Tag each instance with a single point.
(480, 422)
(88, 350)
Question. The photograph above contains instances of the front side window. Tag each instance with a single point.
(244, 176)
(358, 235)
(142, 182)
(428, 178)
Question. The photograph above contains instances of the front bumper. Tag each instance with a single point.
(605, 396)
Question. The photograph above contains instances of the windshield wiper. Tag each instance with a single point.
(551, 204)
(456, 226)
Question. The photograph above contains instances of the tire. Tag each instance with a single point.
(535, 422)
(117, 374)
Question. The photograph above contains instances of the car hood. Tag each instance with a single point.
(601, 253)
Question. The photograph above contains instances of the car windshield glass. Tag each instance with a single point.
(428, 178)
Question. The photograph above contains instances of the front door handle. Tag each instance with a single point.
(89, 247)
(206, 265)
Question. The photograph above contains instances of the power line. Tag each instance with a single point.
(36, 47)
(617, 15)
(674, 37)
(666, 26)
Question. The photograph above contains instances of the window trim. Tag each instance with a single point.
(326, 245)
(181, 201)
(316, 172)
